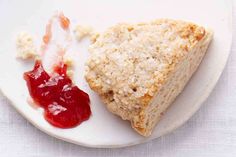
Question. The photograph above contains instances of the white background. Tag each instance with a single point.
(210, 132)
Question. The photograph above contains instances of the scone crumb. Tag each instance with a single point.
(82, 31)
(94, 37)
(68, 61)
(70, 66)
(25, 46)
(70, 73)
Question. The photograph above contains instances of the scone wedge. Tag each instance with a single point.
(139, 69)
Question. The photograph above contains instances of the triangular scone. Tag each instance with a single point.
(138, 70)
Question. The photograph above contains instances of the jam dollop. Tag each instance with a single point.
(65, 105)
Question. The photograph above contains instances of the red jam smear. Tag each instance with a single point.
(64, 21)
(64, 103)
(48, 34)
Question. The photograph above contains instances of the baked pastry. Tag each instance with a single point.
(139, 69)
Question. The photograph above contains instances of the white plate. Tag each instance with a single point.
(104, 129)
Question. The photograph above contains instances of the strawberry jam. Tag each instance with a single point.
(65, 105)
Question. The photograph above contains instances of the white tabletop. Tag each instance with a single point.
(211, 132)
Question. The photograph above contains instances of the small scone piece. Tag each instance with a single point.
(139, 69)
(25, 46)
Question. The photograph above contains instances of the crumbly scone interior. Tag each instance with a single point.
(173, 86)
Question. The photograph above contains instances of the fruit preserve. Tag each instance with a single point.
(65, 105)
